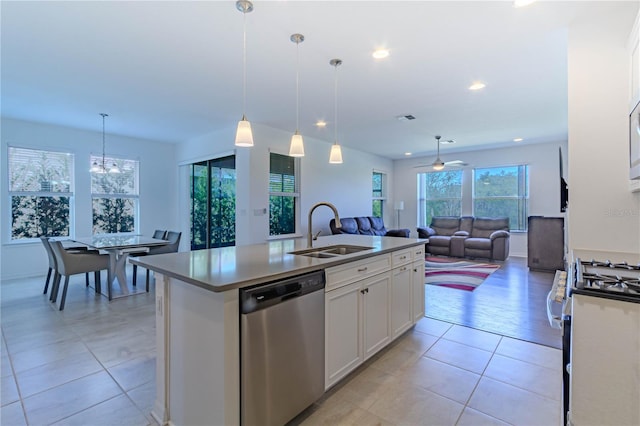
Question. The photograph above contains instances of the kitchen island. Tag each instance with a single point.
(197, 314)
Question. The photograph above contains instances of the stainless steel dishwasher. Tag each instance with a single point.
(281, 349)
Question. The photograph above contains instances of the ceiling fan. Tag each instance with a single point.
(438, 164)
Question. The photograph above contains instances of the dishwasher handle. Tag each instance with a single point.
(264, 295)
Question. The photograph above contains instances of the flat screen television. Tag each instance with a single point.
(564, 190)
(634, 143)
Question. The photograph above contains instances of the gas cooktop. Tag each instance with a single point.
(607, 279)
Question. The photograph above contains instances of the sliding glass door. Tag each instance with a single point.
(213, 203)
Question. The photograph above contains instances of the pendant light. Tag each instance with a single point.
(101, 168)
(244, 136)
(335, 157)
(296, 149)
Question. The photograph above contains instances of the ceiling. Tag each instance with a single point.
(171, 71)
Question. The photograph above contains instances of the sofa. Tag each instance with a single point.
(468, 236)
(366, 225)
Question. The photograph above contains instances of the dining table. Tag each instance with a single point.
(119, 247)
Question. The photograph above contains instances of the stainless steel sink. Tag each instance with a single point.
(330, 251)
(318, 254)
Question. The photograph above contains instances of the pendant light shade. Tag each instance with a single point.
(296, 149)
(335, 157)
(244, 136)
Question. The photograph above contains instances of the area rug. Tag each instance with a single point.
(455, 273)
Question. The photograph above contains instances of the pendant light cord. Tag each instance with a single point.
(244, 64)
(335, 104)
(297, 85)
(103, 141)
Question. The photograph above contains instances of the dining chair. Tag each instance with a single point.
(75, 263)
(159, 234)
(171, 247)
(53, 268)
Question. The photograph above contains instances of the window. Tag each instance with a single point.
(213, 203)
(439, 194)
(500, 192)
(379, 194)
(283, 194)
(114, 197)
(41, 191)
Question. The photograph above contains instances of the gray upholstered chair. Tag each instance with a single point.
(159, 234)
(53, 268)
(68, 264)
(171, 247)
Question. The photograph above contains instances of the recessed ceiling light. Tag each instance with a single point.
(321, 123)
(522, 3)
(408, 153)
(518, 140)
(477, 86)
(380, 53)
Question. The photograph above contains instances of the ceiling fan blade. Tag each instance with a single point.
(456, 163)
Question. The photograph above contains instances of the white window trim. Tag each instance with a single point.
(135, 197)
(6, 213)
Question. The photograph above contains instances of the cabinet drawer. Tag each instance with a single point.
(417, 253)
(338, 276)
(401, 257)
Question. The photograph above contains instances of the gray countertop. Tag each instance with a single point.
(227, 268)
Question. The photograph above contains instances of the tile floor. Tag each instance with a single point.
(94, 364)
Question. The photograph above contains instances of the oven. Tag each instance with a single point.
(559, 316)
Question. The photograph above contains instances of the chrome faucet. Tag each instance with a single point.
(310, 236)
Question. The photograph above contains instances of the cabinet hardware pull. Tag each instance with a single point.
(362, 291)
(403, 257)
(367, 290)
(415, 270)
(362, 269)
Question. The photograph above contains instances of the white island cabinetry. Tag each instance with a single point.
(197, 315)
(401, 293)
(367, 305)
(356, 314)
(417, 283)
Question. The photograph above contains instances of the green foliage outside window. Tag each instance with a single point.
(32, 217)
(115, 197)
(199, 185)
(377, 194)
(213, 203)
(502, 192)
(439, 194)
(377, 208)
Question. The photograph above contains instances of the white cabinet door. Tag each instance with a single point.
(417, 283)
(342, 332)
(401, 300)
(375, 322)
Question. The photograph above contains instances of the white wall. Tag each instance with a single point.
(347, 186)
(158, 176)
(544, 186)
(603, 213)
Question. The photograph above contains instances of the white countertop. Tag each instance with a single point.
(226, 268)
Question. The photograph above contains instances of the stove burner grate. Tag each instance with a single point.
(609, 264)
